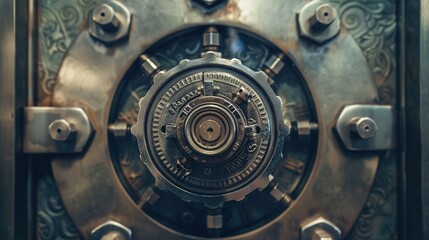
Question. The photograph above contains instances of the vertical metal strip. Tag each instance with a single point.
(7, 118)
(31, 101)
(21, 167)
(424, 112)
(415, 106)
(13, 97)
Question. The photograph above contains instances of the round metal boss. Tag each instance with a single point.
(202, 143)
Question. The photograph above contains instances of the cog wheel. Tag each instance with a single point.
(210, 130)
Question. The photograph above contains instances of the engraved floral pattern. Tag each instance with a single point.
(52, 219)
(59, 23)
(373, 25)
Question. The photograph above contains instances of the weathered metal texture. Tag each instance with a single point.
(15, 38)
(94, 180)
(7, 118)
(53, 221)
(415, 109)
(380, 122)
(371, 23)
(56, 130)
(271, 137)
(320, 229)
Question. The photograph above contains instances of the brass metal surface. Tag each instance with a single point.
(55, 130)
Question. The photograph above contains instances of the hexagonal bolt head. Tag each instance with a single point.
(110, 22)
(320, 229)
(150, 66)
(321, 234)
(208, 6)
(324, 15)
(363, 127)
(111, 230)
(104, 16)
(61, 130)
(318, 21)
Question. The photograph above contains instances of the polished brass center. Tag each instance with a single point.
(210, 129)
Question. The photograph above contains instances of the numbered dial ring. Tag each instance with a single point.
(210, 130)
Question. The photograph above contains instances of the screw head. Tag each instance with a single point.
(61, 130)
(320, 234)
(318, 21)
(208, 6)
(111, 230)
(320, 229)
(363, 127)
(110, 22)
(104, 16)
(324, 15)
(114, 235)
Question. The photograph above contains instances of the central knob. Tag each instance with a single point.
(210, 129)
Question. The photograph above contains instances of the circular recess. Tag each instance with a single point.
(235, 169)
(211, 127)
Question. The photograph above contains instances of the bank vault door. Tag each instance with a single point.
(214, 119)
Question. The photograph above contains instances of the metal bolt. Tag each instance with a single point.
(105, 16)
(150, 196)
(363, 127)
(324, 15)
(114, 235)
(215, 221)
(274, 65)
(304, 128)
(211, 39)
(111, 230)
(280, 194)
(320, 229)
(240, 96)
(318, 22)
(150, 65)
(120, 129)
(320, 234)
(61, 130)
(208, 6)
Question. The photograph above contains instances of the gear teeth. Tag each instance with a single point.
(261, 76)
(236, 60)
(159, 185)
(134, 130)
(162, 182)
(279, 99)
(159, 76)
(141, 102)
(210, 56)
(184, 62)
